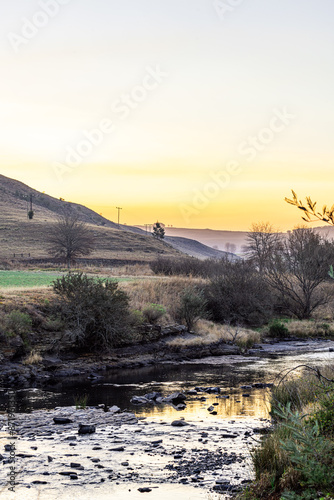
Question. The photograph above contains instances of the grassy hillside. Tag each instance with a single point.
(22, 237)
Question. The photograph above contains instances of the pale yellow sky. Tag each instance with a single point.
(175, 111)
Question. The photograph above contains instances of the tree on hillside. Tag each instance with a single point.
(69, 238)
(159, 231)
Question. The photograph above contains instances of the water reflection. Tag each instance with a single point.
(119, 387)
(236, 406)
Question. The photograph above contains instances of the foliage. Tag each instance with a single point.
(69, 238)
(309, 209)
(158, 231)
(297, 269)
(153, 312)
(193, 306)
(80, 401)
(18, 322)
(324, 415)
(296, 460)
(95, 310)
(187, 266)
(277, 329)
(239, 295)
(31, 214)
(310, 453)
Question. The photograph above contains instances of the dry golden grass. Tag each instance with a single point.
(210, 333)
(308, 328)
(159, 290)
(34, 358)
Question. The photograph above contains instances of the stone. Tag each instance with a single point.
(179, 423)
(86, 429)
(144, 490)
(62, 420)
(139, 400)
(213, 390)
(119, 448)
(152, 396)
(75, 465)
(175, 398)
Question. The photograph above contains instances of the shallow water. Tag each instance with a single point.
(235, 414)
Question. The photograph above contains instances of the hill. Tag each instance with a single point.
(21, 238)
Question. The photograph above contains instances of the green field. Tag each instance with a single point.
(28, 279)
(9, 279)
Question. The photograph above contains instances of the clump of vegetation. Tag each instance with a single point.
(277, 329)
(34, 358)
(296, 461)
(95, 310)
(17, 322)
(80, 401)
(193, 306)
(239, 295)
(153, 312)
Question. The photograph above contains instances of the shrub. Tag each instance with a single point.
(324, 416)
(95, 310)
(153, 312)
(277, 329)
(192, 307)
(239, 295)
(18, 322)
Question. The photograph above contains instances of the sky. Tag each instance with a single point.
(196, 113)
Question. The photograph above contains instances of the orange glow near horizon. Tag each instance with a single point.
(171, 110)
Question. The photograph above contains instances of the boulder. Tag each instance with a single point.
(86, 429)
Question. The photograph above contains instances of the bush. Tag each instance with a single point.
(187, 266)
(153, 312)
(95, 310)
(277, 329)
(192, 307)
(239, 295)
(18, 322)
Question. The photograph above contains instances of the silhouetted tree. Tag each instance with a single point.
(297, 268)
(69, 238)
(262, 240)
(158, 230)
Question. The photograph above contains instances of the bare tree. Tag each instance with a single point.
(69, 238)
(262, 240)
(297, 269)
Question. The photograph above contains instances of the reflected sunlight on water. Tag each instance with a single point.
(236, 406)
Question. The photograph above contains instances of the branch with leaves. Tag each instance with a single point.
(310, 210)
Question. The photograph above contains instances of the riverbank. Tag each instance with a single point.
(54, 368)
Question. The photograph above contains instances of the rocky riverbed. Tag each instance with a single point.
(192, 457)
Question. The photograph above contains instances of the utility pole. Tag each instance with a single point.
(147, 227)
(118, 212)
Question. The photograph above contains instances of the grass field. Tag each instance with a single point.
(30, 279)
(13, 279)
